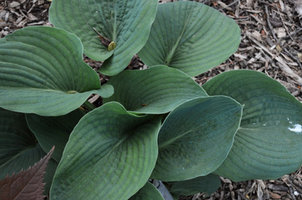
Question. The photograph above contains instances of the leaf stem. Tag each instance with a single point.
(89, 105)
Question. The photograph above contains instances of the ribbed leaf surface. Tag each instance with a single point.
(110, 155)
(156, 90)
(196, 137)
(125, 22)
(268, 142)
(191, 37)
(53, 131)
(42, 72)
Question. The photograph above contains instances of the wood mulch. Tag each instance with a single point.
(271, 43)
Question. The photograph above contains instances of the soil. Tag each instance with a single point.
(271, 43)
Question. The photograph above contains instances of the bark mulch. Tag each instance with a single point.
(271, 43)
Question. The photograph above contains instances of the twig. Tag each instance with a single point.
(269, 24)
(293, 57)
(233, 3)
(224, 6)
(292, 34)
(284, 67)
(287, 70)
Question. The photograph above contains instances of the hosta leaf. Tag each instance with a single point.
(196, 137)
(207, 184)
(156, 90)
(191, 37)
(27, 184)
(148, 192)
(268, 142)
(125, 22)
(53, 130)
(18, 146)
(42, 72)
(110, 155)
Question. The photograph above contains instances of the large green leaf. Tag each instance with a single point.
(148, 192)
(53, 131)
(207, 184)
(19, 148)
(125, 22)
(110, 155)
(268, 142)
(190, 36)
(156, 90)
(42, 72)
(196, 137)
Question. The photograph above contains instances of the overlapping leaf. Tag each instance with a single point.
(268, 142)
(156, 90)
(196, 138)
(125, 22)
(191, 37)
(51, 131)
(148, 192)
(42, 72)
(18, 146)
(110, 155)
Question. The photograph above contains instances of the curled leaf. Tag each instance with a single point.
(111, 46)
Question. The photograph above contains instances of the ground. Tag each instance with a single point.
(271, 43)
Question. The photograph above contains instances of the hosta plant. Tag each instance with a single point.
(154, 124)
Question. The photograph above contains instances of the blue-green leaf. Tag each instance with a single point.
(196, 137)
(268, 142)
(127, 23)
(110, 155)
(42, 72)
(156, 90)
(191, 37)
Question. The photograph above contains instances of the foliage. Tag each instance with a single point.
(26, 184)
(154, 123)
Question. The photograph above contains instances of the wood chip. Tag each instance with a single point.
(14, 4)
(275, 196)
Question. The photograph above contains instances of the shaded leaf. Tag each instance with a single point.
(196, 137)
(26, 184)
(156, 90)
(191, 37)
(148, 192)
(268, 142)
(108, 151)
(51, 131)
(42, 72)
(19, 148)
(207, 184)
(127, 23)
